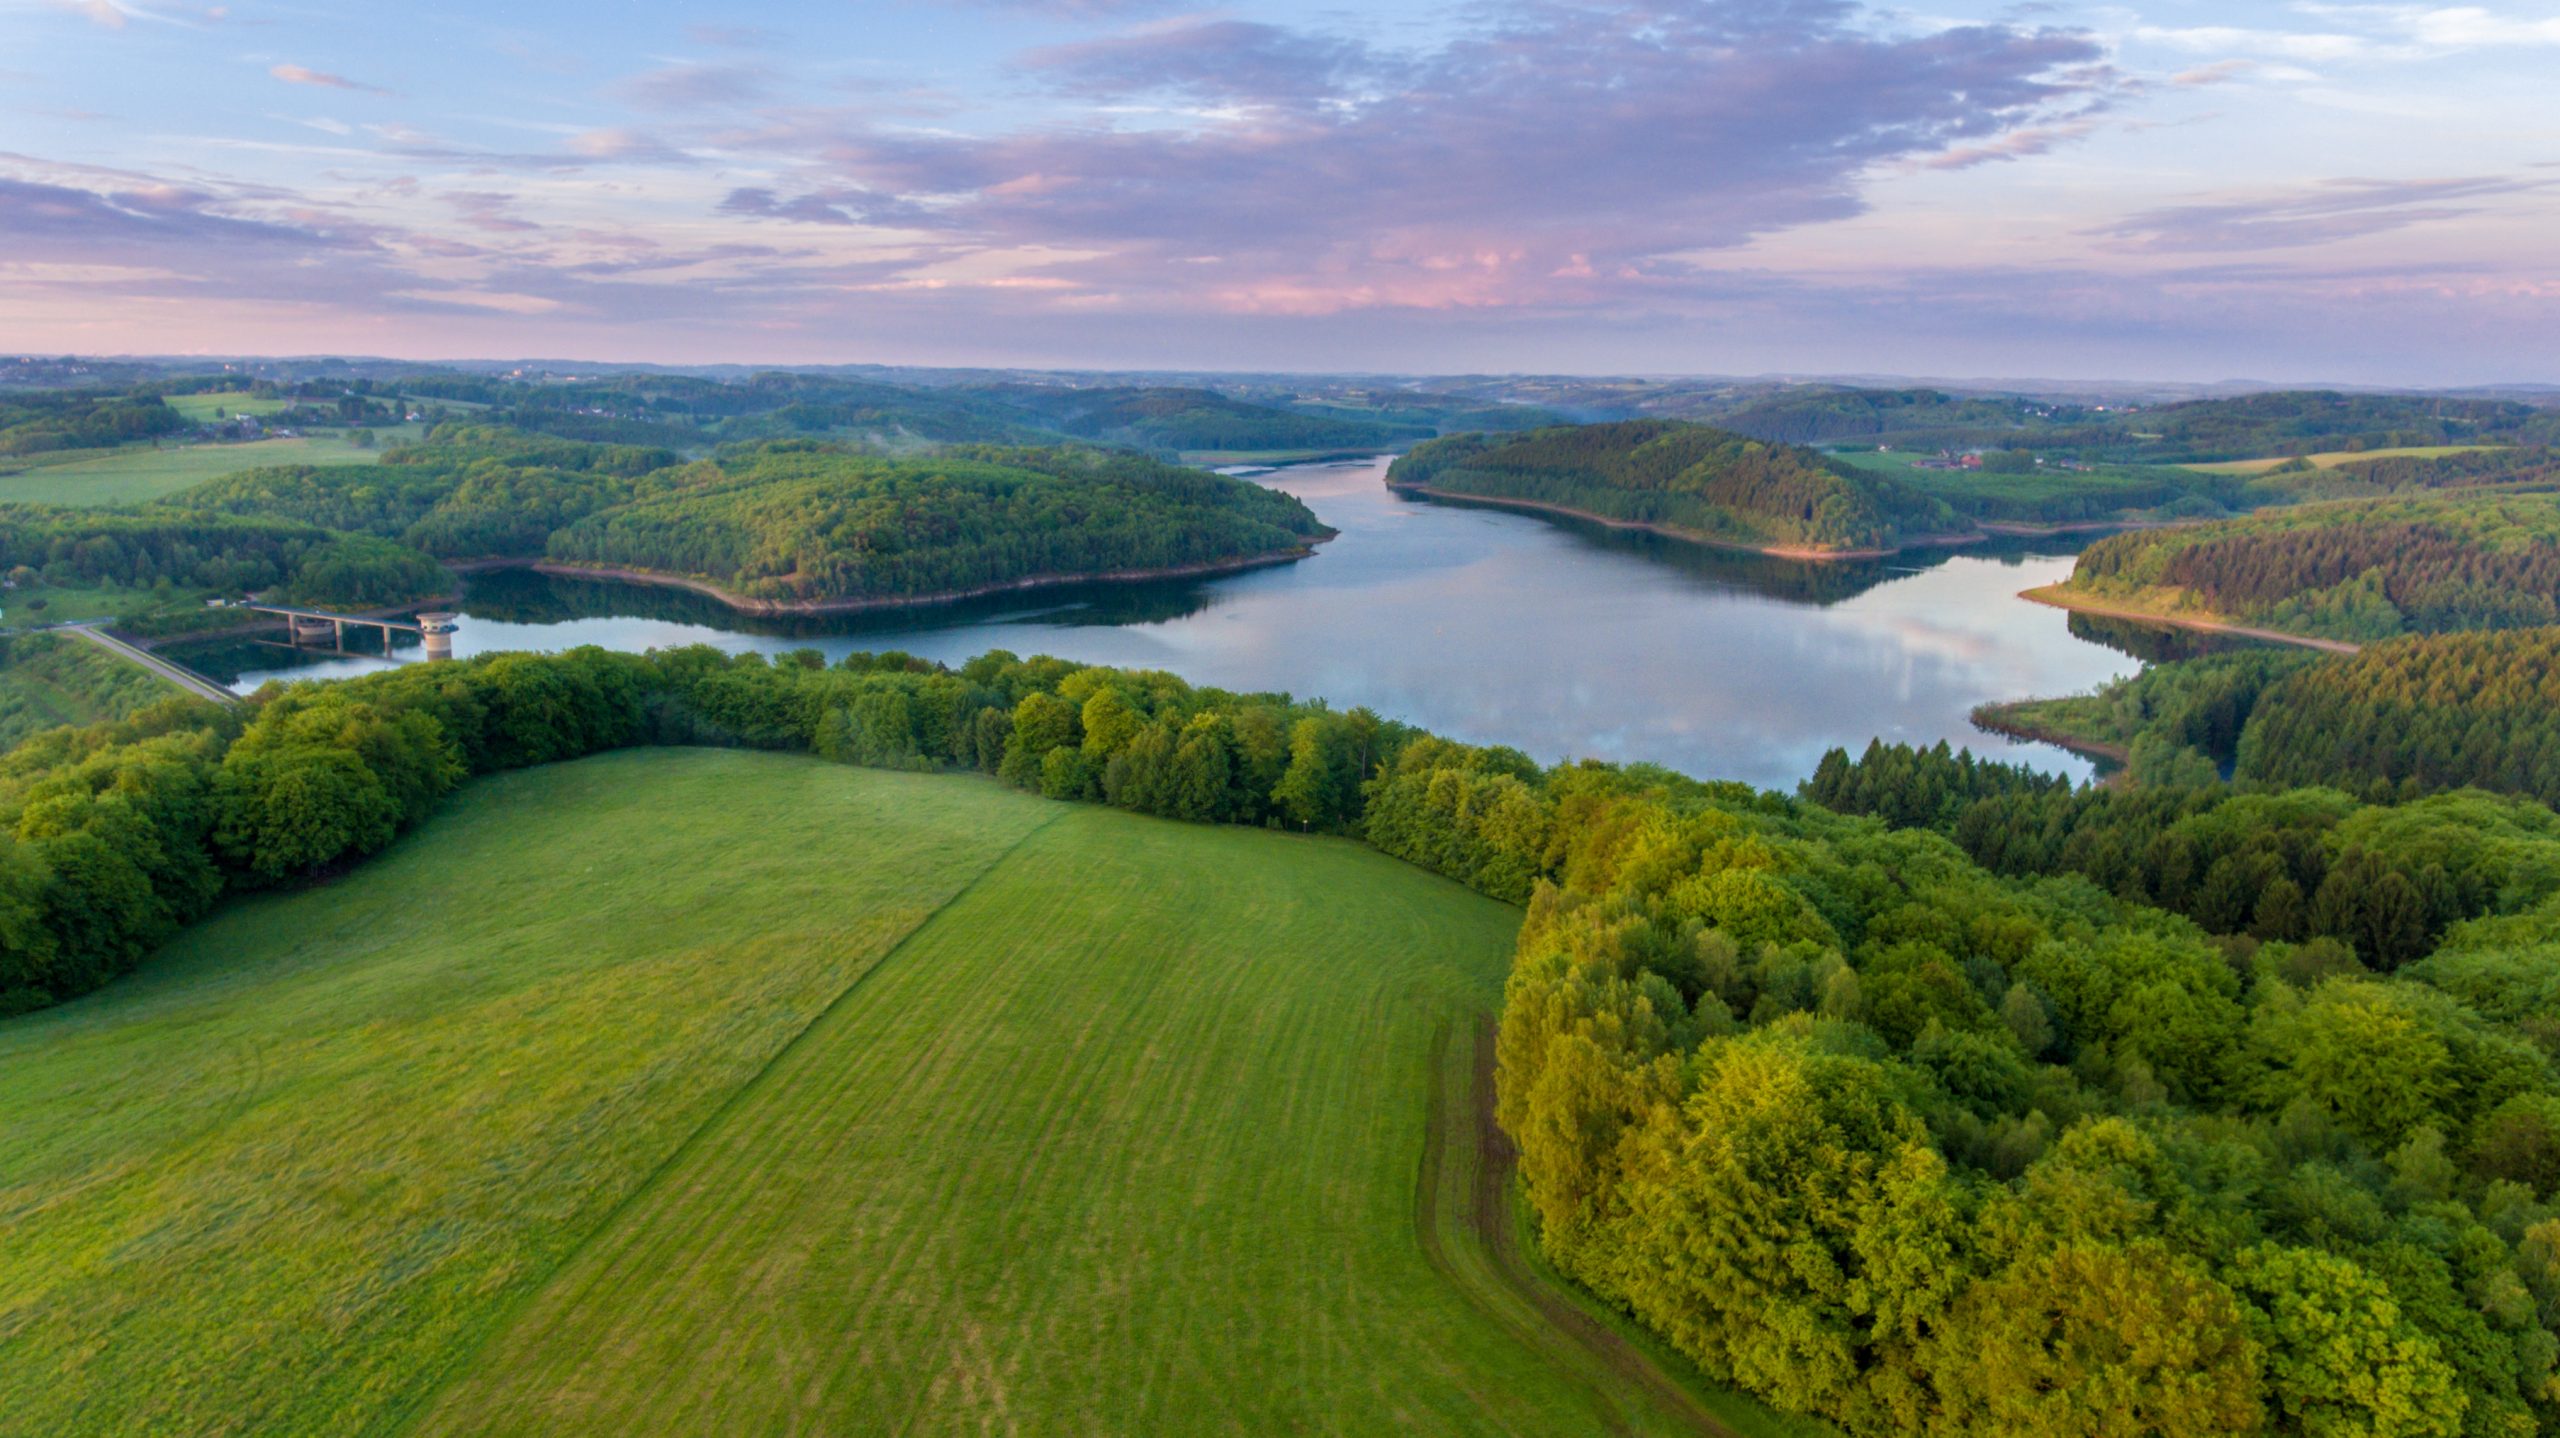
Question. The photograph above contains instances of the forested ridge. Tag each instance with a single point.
(795, 521)
(1711, 482)
(2301, 422)
(80, 419)
(781, 521)
(2404, 717)
(472, 491)
(1877, 1131)
(1172, 419)
(155, 545)
(2362, 569)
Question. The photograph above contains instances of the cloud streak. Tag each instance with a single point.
(2324, 214)
(303, 75)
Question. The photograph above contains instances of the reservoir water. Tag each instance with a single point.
(1563, 639)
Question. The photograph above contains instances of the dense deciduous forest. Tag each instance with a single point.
(81, 419)
(161, 546)
(472, 491)
(2287, 422)
(1829, 414)
(2364, 569)
(1876, 1131)
(1707, 481)
(2299, 422)
(1161, 420)
(796, 521)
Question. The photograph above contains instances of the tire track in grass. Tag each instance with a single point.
(408, 1417)
(1485, 1224)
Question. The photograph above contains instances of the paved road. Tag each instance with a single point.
(186, 679)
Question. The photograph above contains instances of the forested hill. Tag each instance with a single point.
(1706, 483)
(2409, 716)
(2302, 422)
(2358, 570)
(1829, 414)
(796, 522)
(1196, 420)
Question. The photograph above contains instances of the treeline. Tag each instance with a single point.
(1686, 476)
(2461, 470)
(1174, 420)
(800, 521)
(112, 836)
(155, 546)
(2302, 422)
(1823, 414)
(2383, 880)
(2356, 570)
(1856, 1123)
(2178, 722)
(469, 492)
(2398, 719)
(690, 413)
(42, 422)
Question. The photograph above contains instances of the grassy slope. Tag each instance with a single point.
(526, 1126)
(201, 407)
(52, 679)
(139, 474)
(1125, 1140)
(2333, 458)
(295, 1168)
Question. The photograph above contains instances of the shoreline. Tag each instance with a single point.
(2049, 596)
(1990, 719)
(1695, 536)
(745, 604)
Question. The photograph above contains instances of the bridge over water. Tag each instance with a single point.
(310, 626)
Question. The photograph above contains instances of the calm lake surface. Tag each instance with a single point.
(1565, 640)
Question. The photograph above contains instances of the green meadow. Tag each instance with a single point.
(53, 679)
(139, 474)
(691, 1091)
(2333, 458)
(222, 403)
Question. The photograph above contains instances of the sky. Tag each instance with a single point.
(2279, 190)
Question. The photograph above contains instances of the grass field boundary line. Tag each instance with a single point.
(1489, 1223)
(407, 1417)
(1427, 1217)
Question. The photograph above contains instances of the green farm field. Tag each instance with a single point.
(2333, 458)
(689, 1091)
(202, 407)
(140, 474)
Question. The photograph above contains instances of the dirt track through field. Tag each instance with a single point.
(1488, 1222)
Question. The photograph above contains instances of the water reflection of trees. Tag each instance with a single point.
(525, 597)
(225, 660)
(2153, 643)
(1820, 582)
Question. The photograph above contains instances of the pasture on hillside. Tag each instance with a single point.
(2331, 459)
(53, 679)
(710, 1091)
(220, 404)
(139, 474)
